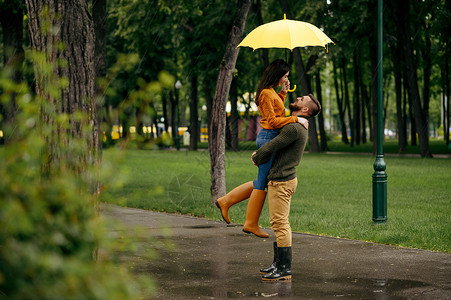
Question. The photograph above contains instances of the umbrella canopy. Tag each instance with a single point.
(285, 34)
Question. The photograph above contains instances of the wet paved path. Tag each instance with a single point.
(211, 260)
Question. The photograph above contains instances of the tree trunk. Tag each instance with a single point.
(76, 32)
(312, 131)
(413, 127)
(400, 113)
(421, 121)
(341, 113)
(228, 134)
(194, 115)
(181, 111)
(372, 42)
(100, 33)
(218, 122)
(402, 132)
(357, 110)
(427, 60)
(304, 79)
(347, 102)
(100, 30)
(164, 101)
(365, 101)
(257, 7)
(11, 19)
(209, 101)
(385, 105)
(301, 72)
(446, 92)
(322, 132)
(234, 116)
(173, 101)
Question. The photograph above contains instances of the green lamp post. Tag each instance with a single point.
(379, 175)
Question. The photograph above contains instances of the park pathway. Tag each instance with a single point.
(210, 260)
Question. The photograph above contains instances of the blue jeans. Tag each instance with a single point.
(264, 136)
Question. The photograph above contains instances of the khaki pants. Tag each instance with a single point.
(279, 198)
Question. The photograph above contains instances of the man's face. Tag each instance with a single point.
(300, 103)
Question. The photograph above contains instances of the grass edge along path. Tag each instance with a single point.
(333, 198)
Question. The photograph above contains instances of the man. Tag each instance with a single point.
(288, 148)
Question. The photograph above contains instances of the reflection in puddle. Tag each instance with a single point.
(272, 290)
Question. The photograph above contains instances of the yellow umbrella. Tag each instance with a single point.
(285, 34)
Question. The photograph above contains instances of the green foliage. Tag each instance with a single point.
(134, 104)
(15, 5)
(333, 197)
(186, 37)
(51, 231)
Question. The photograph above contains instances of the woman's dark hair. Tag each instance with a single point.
(271, 77)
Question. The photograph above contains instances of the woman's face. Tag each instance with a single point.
(283, 79)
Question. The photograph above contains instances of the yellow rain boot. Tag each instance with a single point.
(254, 208)
(235, 196)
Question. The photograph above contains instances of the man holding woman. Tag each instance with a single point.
(281, 145)
(288, 148)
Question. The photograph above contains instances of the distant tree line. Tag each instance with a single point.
(187, 39)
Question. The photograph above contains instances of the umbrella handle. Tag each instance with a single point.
(293, 89)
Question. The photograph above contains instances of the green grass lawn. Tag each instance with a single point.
(333, 198)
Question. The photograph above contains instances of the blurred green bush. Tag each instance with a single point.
(50, 230)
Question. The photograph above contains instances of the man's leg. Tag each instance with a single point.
(279, 198)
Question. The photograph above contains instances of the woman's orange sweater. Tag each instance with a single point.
(272, 110)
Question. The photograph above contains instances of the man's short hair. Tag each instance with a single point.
(314, 107)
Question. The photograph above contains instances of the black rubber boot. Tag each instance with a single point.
(283, 269)
(274, 263)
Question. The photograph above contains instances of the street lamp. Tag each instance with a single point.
(379, 175)
(178, 86)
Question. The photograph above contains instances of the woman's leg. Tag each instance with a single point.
(263, 170)
(257, 198)
(233, 197)
(263, 137)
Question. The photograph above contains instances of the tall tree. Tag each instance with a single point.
(372, 39)
(100, 30)
(341, 108)
(442, 31)
(173, 100)
(313, 132)
(396, 54)
(304, 79)
(421, 119)
(218, 122)
(400, 108)
(357, 102)
(319, 96)
(76, 34)
(194, 114)
(257, 8)
(234, 116)
(445, 97)
(347, 101)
